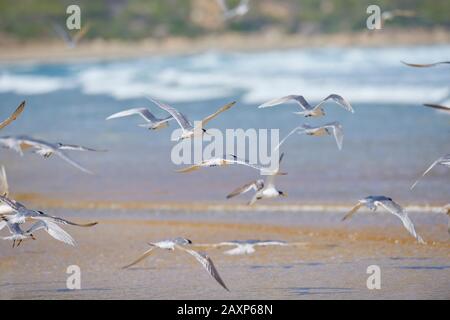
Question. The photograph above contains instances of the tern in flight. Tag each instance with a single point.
(425, 65)
(263, 189)
(308, 110)
(20, 214)
(70, 40)
(246, 246)
(240, 10)
(373, 202)
(181, 244)
(153, 123)
(188, 129)
(18, 235)
(14, 116)
(333, 128)
(45, 149)
(443, 161)
(222, 162)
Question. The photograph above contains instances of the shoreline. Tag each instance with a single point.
(54, 203)
(54, 51)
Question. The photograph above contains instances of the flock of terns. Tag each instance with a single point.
(13, 214)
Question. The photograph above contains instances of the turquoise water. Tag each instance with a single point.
(388, 142)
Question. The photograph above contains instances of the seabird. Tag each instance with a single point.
(308, 110)
(443, 161)
(263, 189)
(180, 244)
(333, 128)
(17, 234)
(247, 246)
(188, 129)
(43, 148)
(153, 123)
(221, 162)
(373, 202)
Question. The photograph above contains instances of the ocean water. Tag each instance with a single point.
(389, 141)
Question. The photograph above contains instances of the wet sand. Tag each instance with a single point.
(331, 263)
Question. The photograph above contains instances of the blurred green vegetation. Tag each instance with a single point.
(137, 19)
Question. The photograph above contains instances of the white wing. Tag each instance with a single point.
(70, 161)
(4, 188)
(206, 263)
(299, 99)
(15, 206)
(254, 185)
(270, 182)
(73, 147)
(300, 130)
(398, 211)
(438, 161)
(270, 243)
(179, 117)
(338, 133)
(215, 114)
(339, 100)
(141, 257)
(53, 230)
(143, 112)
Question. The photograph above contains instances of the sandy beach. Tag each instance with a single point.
(137, 196)
(330, 261)
(51, 51)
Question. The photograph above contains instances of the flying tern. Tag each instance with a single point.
(263, 189)
(153, 123)
(333, 128)
(43, 148)
(308, 110)
(181, 244)
(443, 161)
(188, 130)
(374, 202)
